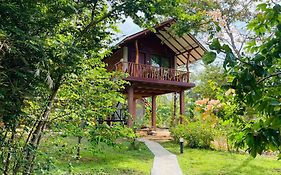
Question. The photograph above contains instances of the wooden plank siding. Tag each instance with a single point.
(114, 59)
(150, 45)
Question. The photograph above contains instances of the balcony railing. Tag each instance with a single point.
(144, 71)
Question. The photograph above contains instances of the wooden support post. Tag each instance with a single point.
(187, 61)
(136, 67)
(153, 117)
(181, 106)
(137, 51)
(131, 106)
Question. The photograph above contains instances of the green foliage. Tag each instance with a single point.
(209, 57)
(109, 135)
(212, 74)
(52, 71)
(196, 134)
(84, 99)
(256, 80)
(45, 165)
(164, 111)
(58, 152)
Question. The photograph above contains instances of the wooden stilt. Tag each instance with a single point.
(181, 106)
(131, 106)
(153, 117)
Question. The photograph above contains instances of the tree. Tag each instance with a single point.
(253, 69)
(84, 100)
(256, 80)
(43, 45)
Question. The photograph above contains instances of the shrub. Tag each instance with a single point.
(195, 134)
(109, 135)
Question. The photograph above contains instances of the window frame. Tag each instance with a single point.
(161, 58)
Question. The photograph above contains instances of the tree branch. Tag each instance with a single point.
(244, 41)
(269, 76)
(227, 30)
(93, 22)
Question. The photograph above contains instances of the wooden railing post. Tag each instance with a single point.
(148, 71)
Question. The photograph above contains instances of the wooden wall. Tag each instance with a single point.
(113, 59)
(150, 45)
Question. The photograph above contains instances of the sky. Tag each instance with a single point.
(128, 28)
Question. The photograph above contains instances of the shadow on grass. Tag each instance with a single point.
(116, 161)
(245, 163)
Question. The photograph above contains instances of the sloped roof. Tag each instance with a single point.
(186, 47)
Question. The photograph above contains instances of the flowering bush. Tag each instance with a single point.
(207, 110)
(200, 131)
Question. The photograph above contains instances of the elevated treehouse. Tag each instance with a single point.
(157, 63)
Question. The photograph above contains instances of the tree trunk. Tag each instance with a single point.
(18, 163)
(78, 147)
(37, 134)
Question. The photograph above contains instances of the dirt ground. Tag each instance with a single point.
(160, 135)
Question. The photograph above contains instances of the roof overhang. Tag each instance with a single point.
(186, 47)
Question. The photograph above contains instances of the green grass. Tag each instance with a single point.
(117, 161)
(207, 162)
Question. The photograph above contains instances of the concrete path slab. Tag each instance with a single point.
(165, 163)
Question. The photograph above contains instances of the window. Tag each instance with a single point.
(159, 61)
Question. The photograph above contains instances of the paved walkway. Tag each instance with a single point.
(165, 163)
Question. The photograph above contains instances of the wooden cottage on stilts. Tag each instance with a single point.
(157, 63)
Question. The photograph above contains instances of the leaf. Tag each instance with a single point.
(230, 60)
(259, 71)
(276, 122)
(226, 48)
(277, 8)
(262, 7)
(215, 45)
(275, 102)
(209, 57)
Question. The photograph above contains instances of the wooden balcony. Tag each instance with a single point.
(148, 72)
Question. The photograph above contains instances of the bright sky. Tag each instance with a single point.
(128, 28)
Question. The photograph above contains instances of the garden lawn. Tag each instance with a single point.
(60, 159)
(207, 162)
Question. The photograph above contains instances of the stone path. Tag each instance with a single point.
(165, 163)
